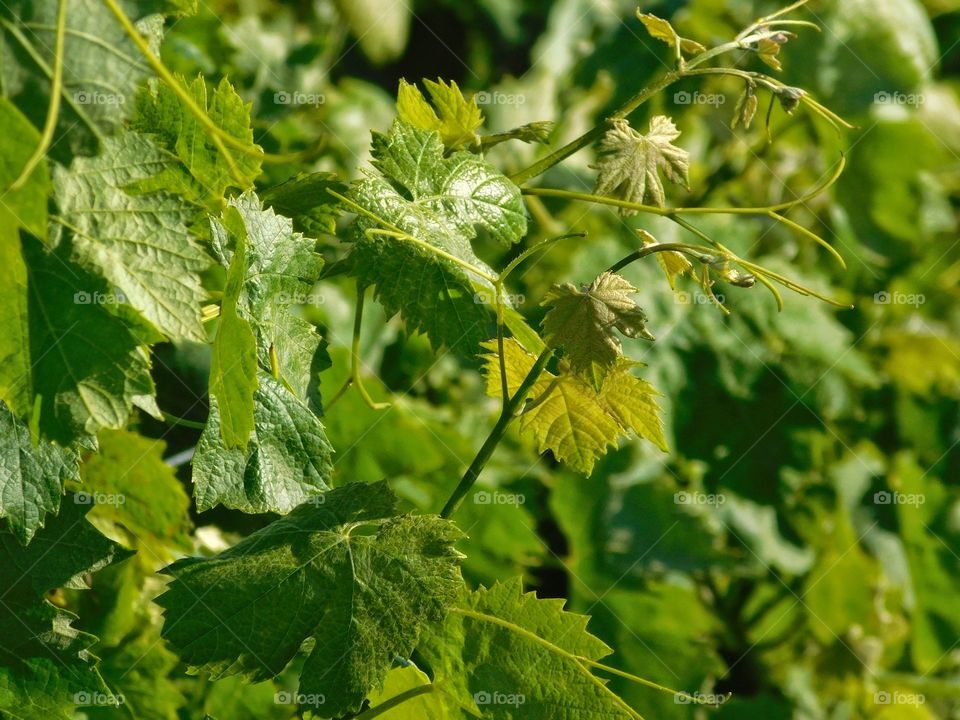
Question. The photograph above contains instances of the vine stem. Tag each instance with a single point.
(355, 376)
(394, 702)
(53, 110)
(496, 434)
(693, 250)
(544, 164)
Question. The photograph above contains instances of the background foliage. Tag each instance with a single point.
(798, 547)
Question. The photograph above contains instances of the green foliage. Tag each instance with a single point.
(193, 215)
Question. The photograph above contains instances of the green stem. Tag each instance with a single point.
(542, 245)
(496, 434)
(694, 251)
(355, 356)
(53, 110)
(394, 702)
(182, 422)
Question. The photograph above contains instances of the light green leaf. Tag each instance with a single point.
(582, 321)
(346, 570)
(89, 367)
(282, 267)
(662, 30)
(430, 706)
(31, 476)
(286, 462)
(510, 655)
(233, 366)
(16, 382)
(138, 242)
(456, 119)
(569, 416)
(27, 206)
(152, 506)
(629, 163)
(162, 113)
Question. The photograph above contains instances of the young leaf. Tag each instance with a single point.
(662, 30)
(89, 367)
(140, 243)
(502, 650)
(673, 264)
(569, 416)
(347, 571)
(458, 118)
(233, 365)
(31, 476)
(628, 162)
(582, 321)
(161, 113)
(286, 461)
(745, 108)
(438, 202)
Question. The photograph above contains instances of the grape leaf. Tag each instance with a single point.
(103, 68)
(31, 476)
(305, 200)
(430, 706)
(45, 663)
(458, 119)
(568, 416)
(582, 321)
(282, 267)
(89, 367)
(285, 463)
(347, 571)
(162, 113)
(515, 655)
(662, 30)
(154, 508)
(628, 162)
(673, 263)
(140, 243)
(25, 207)
(233, 365)
(438, 201)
